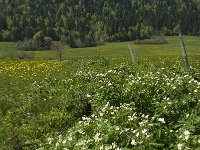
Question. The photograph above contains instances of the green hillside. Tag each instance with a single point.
(88, 23)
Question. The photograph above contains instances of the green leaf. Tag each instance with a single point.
(125, 148)
(156, 144)
(197, 120)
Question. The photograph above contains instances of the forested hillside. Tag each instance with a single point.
(92, 21)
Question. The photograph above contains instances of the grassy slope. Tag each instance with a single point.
(119, 49)
(50, 89)
(7, 47)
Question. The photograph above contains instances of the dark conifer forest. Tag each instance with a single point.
(89, 22)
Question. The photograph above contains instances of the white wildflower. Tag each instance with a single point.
(84, 118)
(117, 128)
(101, 114)
(144, 131)
(180, 146)
(137, 134)
(88, 96)
(107, 104)
(64, 142)
(50, 140)
(133, 142)
(101, 147)
(114, 145)
(169, 103)
(81, 132)
(57, 144)
(108, 147)
(97, 137)
(70, 138)
(134, 131)
(141, 123)
(162, 120)
(109, 84)
(173, 87)
(130, 118)
(199, 140)
(187, 134)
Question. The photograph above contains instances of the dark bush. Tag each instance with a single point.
(0, 36)
(74, 40)
(35, 44)
(47, 43)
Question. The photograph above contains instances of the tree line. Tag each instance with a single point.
(90, 22)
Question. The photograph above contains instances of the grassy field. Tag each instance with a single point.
(102, 103)
(117, 49)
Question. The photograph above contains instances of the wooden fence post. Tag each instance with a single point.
(185, 57)
(132, 52)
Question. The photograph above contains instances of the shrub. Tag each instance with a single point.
(41, 42)
(0, 36)
(20, 55)
(59, 49)
(78, 43)
(26, 45)
(47, 43)
(35, 44)
(74, 40)
(153, 40)
(25, 55)
(6, 36)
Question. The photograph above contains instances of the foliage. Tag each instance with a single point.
(86, 23)
(26, 45)
(20, 55)
(153, 40)
(116, 49)
(59, 48)
(98, 104)
(38, 42)
(6, 36)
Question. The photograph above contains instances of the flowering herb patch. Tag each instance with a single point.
(97, 105)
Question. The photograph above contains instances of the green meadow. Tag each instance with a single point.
(96, 99)
(115, 49)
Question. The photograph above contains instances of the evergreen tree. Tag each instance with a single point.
(87, 23)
